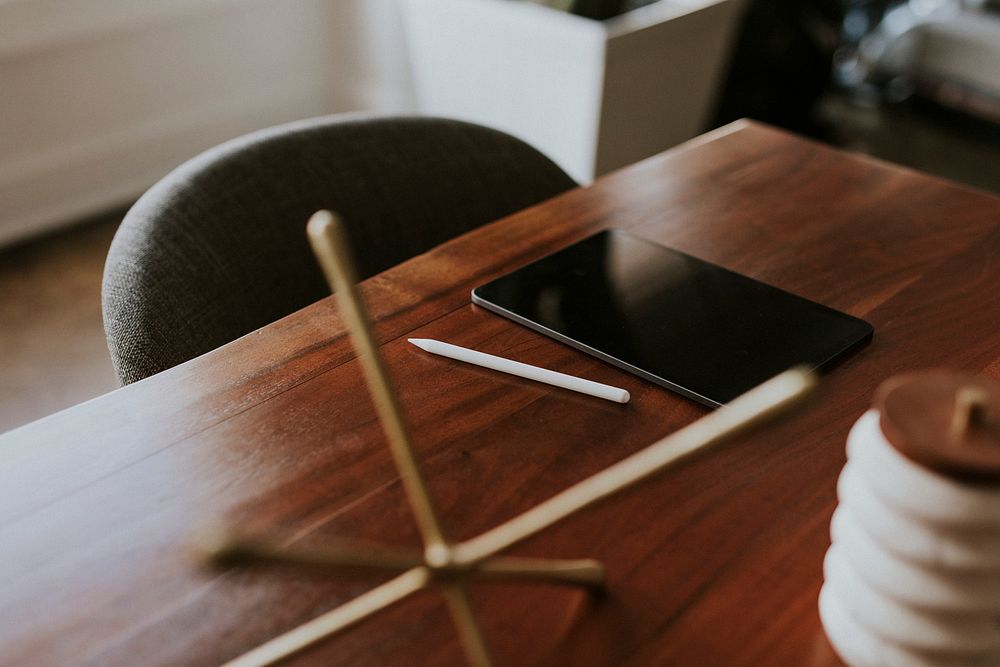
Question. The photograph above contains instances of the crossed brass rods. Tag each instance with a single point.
(446, 564)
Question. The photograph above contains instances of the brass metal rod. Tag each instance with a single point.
(476, 650)
(970, 410)
(223, 550)
(329, 243)
(750, 408)
(334, 621)
(582, 572)
(442, 563)
(237, 551)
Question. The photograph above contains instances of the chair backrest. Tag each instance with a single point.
(218, 247)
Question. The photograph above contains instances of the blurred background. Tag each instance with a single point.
(101, 98)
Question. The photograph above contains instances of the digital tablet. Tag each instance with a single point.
(696, 328)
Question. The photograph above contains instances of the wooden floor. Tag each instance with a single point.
(52, 349)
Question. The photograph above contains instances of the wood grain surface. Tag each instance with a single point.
(717, 562)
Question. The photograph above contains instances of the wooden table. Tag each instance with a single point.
(717, 562)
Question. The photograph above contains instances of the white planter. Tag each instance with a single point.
(592, 95)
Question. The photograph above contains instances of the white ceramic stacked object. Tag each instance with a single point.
(913, 575)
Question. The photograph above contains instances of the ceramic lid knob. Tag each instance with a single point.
(948, 422)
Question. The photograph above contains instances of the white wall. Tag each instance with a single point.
(100, 98)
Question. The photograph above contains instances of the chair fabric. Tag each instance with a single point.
(218, 247)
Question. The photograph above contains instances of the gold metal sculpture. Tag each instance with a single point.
(448, 565)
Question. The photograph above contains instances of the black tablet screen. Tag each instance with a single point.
(688, 325)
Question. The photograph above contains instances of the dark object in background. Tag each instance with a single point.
(859, 64)
(597, 9)
(781, 64)
(600, 10)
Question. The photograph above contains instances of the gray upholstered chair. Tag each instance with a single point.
(218, 248)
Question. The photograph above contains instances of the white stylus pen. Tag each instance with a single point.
(522, 370)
